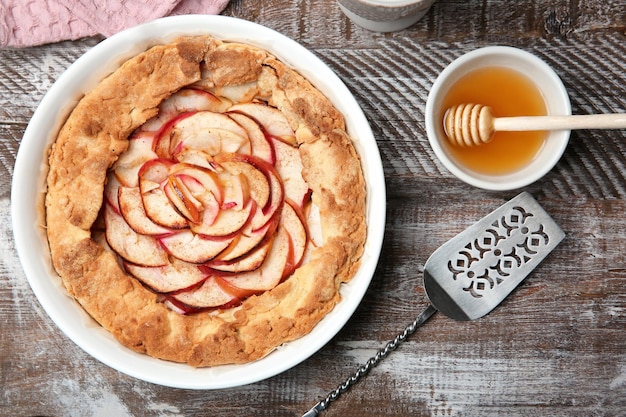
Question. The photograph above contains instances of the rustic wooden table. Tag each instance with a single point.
(556, 347)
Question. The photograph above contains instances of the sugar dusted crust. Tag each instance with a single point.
(96, 134)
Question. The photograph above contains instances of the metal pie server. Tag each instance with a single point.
(472, 273)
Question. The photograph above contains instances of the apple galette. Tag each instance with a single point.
(205, 203)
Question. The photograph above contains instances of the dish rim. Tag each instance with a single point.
(27, 201)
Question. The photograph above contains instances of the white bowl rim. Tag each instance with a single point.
(560, 139)
(392, 3)
(27, 188)
(384, 25)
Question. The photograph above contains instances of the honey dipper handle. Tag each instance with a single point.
(592, 121)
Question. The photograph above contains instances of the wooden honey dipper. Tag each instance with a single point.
(474, 124)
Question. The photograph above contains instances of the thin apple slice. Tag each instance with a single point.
(289, 167)
(276, 197)
(156, 170)
(175, 276)
(257, 180)
(290, 265)
(241, 294)
(182, 198)
(293, 221)
(184, 185)
(314, 223)
(188, 99)
(139, 152)
(185, 100)
(211, 208)
(243, 190)
(207, 139)
(131, 208)
(236, 191)
(206, 180)
(152, 176)
(272, 271)
(158, 206)
(207, 295)
(190, 247)
(138, 249)
(248, 239)
(238, 93)
(276, 200)
(272, 120)
(261, 146)
(248, 262)
(195, 157)
(204, 122)
(228, 223)
(162, 144)
(111, 190)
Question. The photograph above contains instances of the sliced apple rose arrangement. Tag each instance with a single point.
(208, 205)
(205, 203)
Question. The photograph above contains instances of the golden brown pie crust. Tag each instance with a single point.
(96, 133)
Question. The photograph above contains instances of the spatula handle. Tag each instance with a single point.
(372, 362)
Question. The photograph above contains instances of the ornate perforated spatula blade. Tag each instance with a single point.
(473, 272)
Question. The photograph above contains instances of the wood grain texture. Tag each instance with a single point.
(556, 346)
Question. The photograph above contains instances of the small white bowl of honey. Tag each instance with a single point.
(512, 82)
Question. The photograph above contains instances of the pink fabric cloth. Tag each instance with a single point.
(35, 22)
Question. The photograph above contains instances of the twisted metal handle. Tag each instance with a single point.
(372, 362)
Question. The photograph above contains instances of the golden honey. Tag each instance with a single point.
(508, 93)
